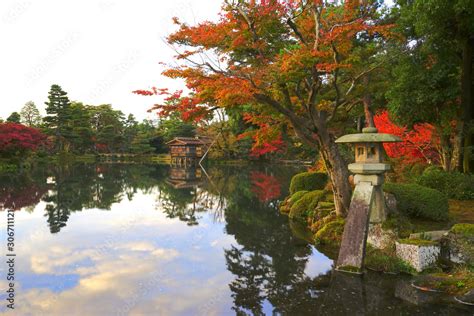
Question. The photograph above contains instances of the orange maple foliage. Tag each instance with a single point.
(284, 60)
(418, 144)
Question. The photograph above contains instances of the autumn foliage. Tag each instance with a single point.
(265, 187)
(267, 138)
(23, 195)
(297, 63)
(17, 139)
(252, 45)
(418, 144)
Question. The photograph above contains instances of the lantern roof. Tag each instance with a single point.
(368, 135)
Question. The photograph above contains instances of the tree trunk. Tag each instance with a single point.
(456, 145)
(337, 171)
(445, 152)
(314, 132)
(367, 101)
(333, 162)
(466, 101)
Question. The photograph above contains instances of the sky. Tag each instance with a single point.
(96, 50)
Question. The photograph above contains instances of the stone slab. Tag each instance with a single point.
(419, 257)
(369, 168)
(352, 251)
(434, 235)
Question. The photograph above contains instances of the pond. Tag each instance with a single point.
(130, 239)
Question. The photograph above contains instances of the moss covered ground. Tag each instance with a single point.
(459, 281)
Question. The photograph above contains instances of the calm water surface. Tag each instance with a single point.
(115, 239)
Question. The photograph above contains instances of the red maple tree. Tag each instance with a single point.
(18, 139)
(418, 144)
(265, 187)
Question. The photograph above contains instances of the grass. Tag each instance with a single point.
(462, 211)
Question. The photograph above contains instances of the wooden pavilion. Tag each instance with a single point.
(187, 151)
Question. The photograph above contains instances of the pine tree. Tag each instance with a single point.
(58, 114)
(14, 118)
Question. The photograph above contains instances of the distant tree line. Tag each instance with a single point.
(76, 128)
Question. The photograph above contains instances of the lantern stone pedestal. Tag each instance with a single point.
(368, 203)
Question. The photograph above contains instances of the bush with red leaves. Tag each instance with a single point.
(18, 139)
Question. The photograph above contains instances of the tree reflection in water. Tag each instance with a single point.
(268, 262)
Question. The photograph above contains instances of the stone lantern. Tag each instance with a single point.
(368, 198)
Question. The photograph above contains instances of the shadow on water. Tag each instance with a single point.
(274, 270)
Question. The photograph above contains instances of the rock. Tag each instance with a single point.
(420, 254)
(435, 235)
(460, 244)
(460, 250)
(380, 238)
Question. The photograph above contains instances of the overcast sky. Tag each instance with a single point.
(97, 50)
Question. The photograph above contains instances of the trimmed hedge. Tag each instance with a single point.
(308, 181)
(419, 201)
(455, 185)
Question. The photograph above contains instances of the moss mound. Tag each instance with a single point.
(386, 260)
(308, 181)
(331, 232)
(286, 205)
(304, 206)
(466, 230)
(419, 201)
(298, 195)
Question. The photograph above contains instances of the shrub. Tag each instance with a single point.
(455, 185)
(419, 201)
(308, 181)
(303, 206)
(8, 168)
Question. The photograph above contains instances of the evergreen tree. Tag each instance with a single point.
(108, 125)
(14, 118)
(58, 115)
(432, 73)
(130, 131)
(174, 126)
(30, 114)
(81, 129)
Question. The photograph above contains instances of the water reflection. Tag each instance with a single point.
(138, 239)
